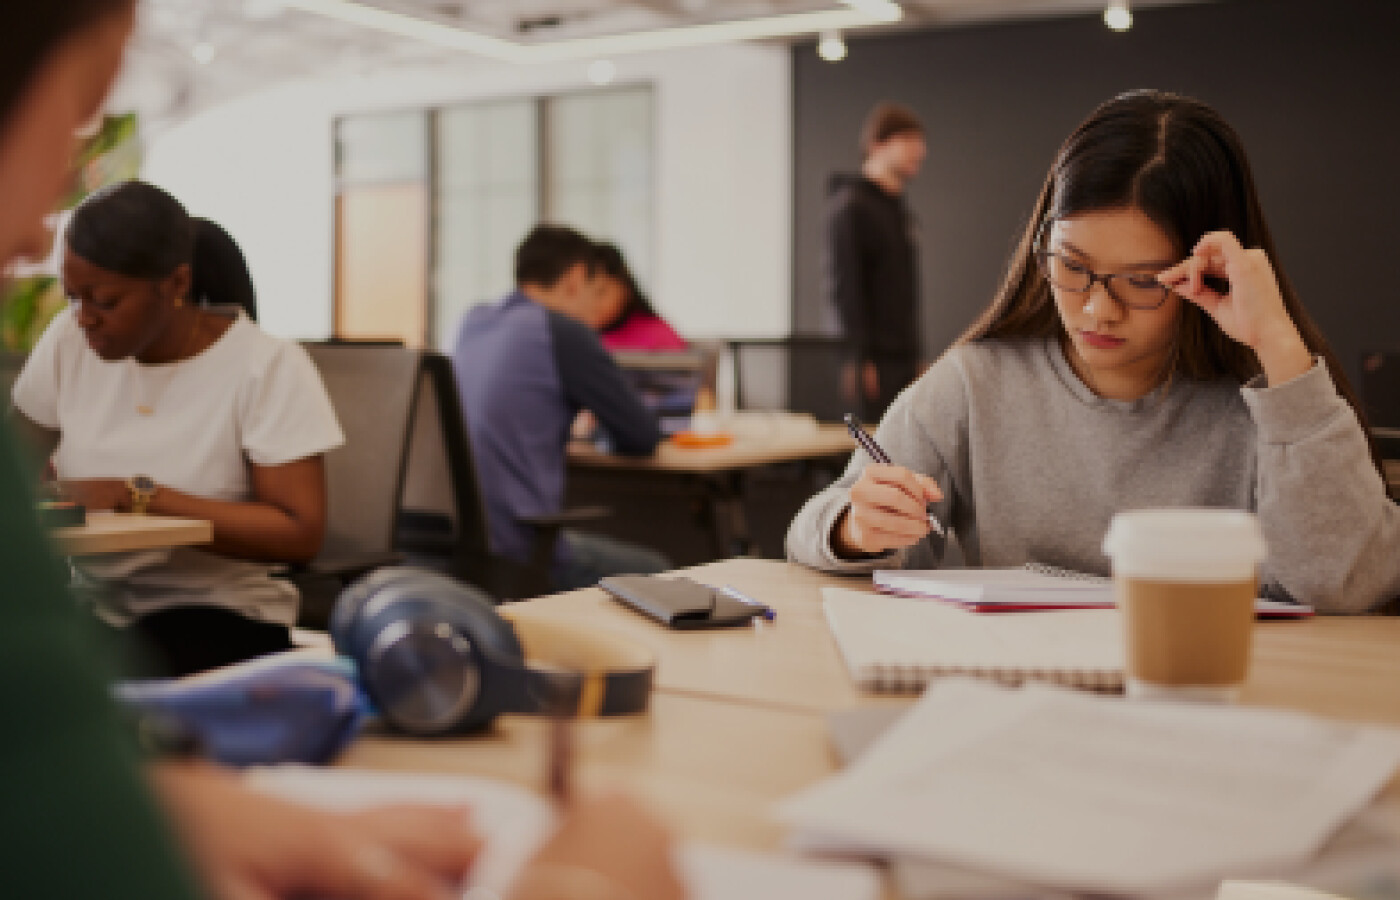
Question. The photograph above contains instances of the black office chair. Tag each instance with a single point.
(442, 522)
(372, 387)
(802, 373)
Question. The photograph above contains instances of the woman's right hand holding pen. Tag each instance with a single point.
(888, 511)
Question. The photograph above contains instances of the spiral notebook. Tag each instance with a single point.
(1030, 587)
(897, 644)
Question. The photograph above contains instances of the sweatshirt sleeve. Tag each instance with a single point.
(924, 430)
(592, 381)
(1331, 530)
(846, 276)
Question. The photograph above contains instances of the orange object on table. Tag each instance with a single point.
(695, 440)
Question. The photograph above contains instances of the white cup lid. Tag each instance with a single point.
(1185, 544)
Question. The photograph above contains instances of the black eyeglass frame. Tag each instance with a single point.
(1042, 257)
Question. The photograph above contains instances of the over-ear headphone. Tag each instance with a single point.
(437, 658)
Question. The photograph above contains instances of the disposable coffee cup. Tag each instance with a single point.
(1186, 581)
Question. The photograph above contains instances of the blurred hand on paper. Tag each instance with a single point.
(249, 846)
(607, 846)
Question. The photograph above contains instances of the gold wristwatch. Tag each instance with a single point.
(143, 488)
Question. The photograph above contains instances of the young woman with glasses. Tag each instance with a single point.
(1144, 349)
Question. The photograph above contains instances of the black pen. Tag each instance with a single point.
(875, 452)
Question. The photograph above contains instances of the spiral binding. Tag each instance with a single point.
(1058, 572)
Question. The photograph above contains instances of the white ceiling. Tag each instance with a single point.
(246, 45)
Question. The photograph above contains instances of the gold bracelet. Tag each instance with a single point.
(566, 881)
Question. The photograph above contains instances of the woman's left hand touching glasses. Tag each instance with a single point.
(1251, 311)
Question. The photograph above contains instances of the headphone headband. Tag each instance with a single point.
(600, 673)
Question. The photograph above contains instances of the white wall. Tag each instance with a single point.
(262, 167)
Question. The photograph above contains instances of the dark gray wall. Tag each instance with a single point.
(1313, 88)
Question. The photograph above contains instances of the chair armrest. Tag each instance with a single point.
(547, 528)
(568, 517)
(425, 532)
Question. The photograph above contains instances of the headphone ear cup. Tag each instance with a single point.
(432, 652)
(350, 603)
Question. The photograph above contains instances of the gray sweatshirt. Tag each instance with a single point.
(1033, 465)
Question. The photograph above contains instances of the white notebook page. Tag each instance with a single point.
(877, 633)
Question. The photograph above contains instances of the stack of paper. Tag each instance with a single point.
(515, 823)
(1074, 792)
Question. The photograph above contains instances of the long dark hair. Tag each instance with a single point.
(1183, 166)
(609, 261)
(30, 32)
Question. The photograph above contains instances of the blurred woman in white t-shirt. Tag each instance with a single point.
(144, 402)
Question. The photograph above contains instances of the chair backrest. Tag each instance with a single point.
(794, 374)
(441, 471)
(372, 388)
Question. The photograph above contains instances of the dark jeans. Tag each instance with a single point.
(594, 556)
(189, 639)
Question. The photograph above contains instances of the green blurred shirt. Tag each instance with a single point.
(76, 818)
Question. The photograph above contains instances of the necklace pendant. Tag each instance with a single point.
(145, 410)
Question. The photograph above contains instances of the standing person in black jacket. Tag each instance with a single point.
(871, 264)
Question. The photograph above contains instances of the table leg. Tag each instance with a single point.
(724, 495)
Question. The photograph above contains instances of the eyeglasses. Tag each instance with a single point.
(1135, 290)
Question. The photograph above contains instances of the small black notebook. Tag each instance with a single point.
(679, 602)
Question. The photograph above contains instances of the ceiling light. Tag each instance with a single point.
(602, 72)
(1117, 16)
(856, 14)
(204, 53)
(831, 47)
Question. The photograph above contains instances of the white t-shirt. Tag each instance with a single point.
(195, 426)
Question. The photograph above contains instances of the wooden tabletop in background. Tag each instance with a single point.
(123, 532)
(781, 444)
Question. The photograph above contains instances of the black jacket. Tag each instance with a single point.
(871, 268)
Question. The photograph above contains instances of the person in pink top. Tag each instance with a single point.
(621, 314)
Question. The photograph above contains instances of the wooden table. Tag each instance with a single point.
(123, 532)
(717, 474)
(1341, 666)
(738, 719)
(712, 769)
(789, 663)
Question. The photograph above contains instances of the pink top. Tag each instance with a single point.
(643, 332)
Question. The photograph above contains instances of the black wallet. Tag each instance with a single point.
(679, 602)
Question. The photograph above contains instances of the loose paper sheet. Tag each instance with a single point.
(1086, 793)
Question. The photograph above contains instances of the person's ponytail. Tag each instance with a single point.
(221, 276)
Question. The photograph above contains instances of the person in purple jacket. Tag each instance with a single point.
(526, 366)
